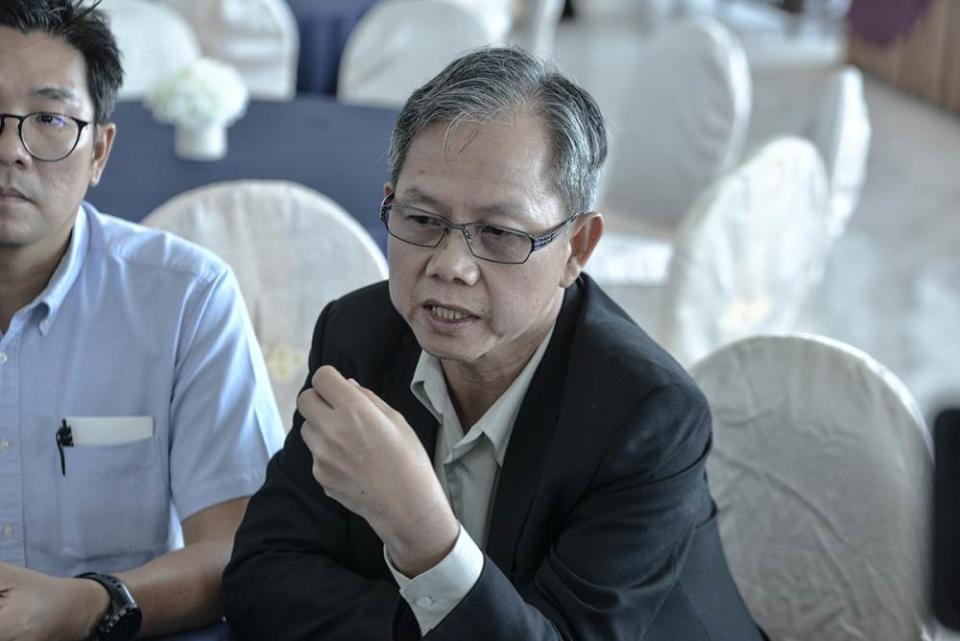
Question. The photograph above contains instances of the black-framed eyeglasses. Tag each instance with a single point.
(485, 241)
(46, 136)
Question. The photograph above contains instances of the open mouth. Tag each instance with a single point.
(447, 314)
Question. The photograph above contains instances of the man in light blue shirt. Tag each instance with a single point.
(136, 415)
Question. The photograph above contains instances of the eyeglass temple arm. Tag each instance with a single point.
(549, 237)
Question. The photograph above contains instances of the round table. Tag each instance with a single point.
(339, 150)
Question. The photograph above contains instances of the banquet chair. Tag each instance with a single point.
(656, 14)
(744, 259)
(747, 256)
(840, 128)
(257, 37)
(684, 126)
(836, 120)
(292, 249)
(154, 41)
(397, 46)
(496, 15)
(535, 25)
(821, 470)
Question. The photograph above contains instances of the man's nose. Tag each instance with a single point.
(452, 260)
(11, 148)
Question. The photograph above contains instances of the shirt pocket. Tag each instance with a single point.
(114, 503)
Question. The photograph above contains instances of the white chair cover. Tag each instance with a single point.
(625, 259)
(258, 37)
(821, 470)
(654, 14)
(154, 42)
(749, 252)
(535, 25)
(685, 124)
(840, 128)
(496, 15)
(398, 46)
(827, 106)
(292, 249)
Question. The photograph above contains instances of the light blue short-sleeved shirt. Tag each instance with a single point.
(141, 340)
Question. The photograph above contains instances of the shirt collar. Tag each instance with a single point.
(51, 298)
(429, 386)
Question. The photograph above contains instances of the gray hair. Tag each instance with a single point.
(493, 83)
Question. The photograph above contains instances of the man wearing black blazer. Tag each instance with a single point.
(487, 446)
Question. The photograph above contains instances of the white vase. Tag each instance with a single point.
(200, 143)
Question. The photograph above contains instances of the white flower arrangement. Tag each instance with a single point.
(205, 93)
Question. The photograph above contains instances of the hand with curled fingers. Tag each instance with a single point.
(38, 607)
(368, 458)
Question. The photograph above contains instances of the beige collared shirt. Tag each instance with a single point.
(468, 466)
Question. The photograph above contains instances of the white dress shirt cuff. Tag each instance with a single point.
(435, 593)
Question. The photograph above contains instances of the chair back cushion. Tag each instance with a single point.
(535, 25)
(840, 129)
(399, 45)
(821, 469)
(683, 123)
(258, 37)
(749, 252)
(292, 249)
(154, 41)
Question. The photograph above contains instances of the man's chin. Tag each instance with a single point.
(449, 349)
(446, 353)
(13, 237)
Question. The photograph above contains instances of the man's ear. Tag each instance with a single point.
(387, 189)
(584, 237)
(103, 137)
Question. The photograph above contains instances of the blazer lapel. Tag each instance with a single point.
(530, 439)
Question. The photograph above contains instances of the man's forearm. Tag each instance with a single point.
(181, 589)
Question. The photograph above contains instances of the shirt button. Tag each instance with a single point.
(424, 602)
(3, 358)
(7, 531)
(4, 445)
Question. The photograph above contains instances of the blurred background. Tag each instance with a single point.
(781, 204)
(847, 228)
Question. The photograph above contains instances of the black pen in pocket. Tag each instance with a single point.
(64, 439)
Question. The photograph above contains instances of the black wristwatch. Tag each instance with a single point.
(122, 620)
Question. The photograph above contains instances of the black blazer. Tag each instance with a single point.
(602, 527)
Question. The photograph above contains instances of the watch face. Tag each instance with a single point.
(125, 624)
(123, 620)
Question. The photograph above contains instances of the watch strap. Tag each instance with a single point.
(122, 621)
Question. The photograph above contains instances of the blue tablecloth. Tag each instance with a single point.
(339, 150)
(324, 26)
